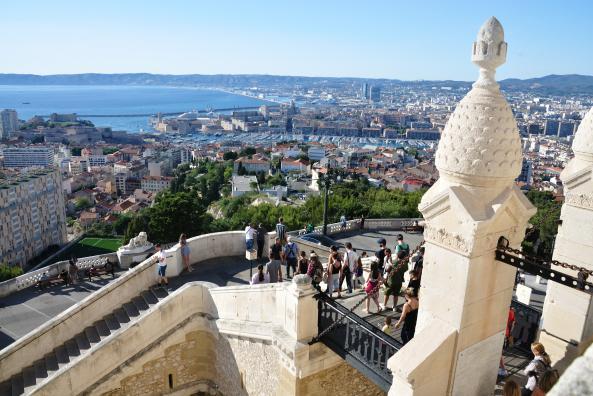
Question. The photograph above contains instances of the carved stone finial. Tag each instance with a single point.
(489, 51)
(480, 144)
(583, 139)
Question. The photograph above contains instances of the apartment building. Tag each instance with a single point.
(25, 157)
(32, 215)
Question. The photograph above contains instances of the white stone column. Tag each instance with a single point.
(568, 313)
(466, 293)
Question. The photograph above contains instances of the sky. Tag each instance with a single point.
(408, 40)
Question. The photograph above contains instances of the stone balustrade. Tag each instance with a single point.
(31, 278)
(66, 325)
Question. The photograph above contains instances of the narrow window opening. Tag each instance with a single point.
(170, 381)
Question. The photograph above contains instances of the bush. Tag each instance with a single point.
(7, 272)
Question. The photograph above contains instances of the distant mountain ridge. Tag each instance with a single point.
(552, 84)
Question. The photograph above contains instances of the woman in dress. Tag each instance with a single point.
(185, 251)
(334, 272)
(372, 287)
(409, 316)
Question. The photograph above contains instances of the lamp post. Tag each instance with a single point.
(327, 179)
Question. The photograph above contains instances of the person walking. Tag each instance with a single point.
(394, 281)
(334, 272)
(408, 317)
(274, 267)
(401, 246)
(72, 270)
(414, 282)
(259, 277)
(161, 265)
(303, 264)
(380, 254)
(185, 251)
(250, 234)
(349, 267)
(261, 240)
(418, 260)
(546, 382)
(358, 276)
(291, 254)
(310, 228)
(540, 363)
(315, 270)
(372, 287)
(343, 222)
(281, 231)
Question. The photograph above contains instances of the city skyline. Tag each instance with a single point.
(331, 39)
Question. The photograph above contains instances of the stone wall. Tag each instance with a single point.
(182, 364)
(341, 379)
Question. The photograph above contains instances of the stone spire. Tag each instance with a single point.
(481, 142)
(583, 139)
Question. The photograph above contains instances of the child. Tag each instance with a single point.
(358, 275)
(387, 326)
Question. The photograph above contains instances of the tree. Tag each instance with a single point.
(230, 155)
(82, 203)
(110, 150)
(247, 151)
(545, 223)
(38, 139)
(241, 171)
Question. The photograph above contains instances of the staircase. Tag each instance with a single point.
(71, 350)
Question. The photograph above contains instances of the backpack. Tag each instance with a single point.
(289, 250)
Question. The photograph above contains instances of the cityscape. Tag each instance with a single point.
(100, 173)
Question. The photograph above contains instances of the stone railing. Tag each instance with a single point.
(191, 300)
(31, 278)
(66, 325)
(355, 224)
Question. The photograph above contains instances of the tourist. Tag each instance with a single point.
(343, 222)
(380, 254)
(291, 254)
(401, 246)
(511, 388)
(261, 240)
(276, 250)
(387, 326)
(408, 317)
(161, 259)
(281, 231)
(303, 264)
(362, 222)
(334, 272)
(508, 339)
(414, 282)
(349, 266)
(185, 251)
(274, 267)
(387, 262)
(546, 382)
(358, 276)
(372, 287)
(540, 363)
(393, 281)
(259, 276)
(418, 261)
(250, 233)
(310, 228)
(72, 270)
(315, 270)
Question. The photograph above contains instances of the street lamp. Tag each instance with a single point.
(327, 179)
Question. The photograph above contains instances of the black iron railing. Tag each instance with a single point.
(526, 325)
(359, 343)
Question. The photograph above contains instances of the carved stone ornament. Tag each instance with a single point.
(447, 239)
(580, 200)
(583, 138)
(481, 140)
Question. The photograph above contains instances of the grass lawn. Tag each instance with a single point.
(90, 247)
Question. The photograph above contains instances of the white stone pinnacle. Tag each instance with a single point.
(583, 139)
(480, 143)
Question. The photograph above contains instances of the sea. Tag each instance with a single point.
(114, 101)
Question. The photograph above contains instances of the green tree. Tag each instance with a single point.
(110, 150)
(247, 151)
(545, 223)
(230, 155)
(82, 203)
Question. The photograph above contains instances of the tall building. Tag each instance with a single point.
(551, 128)
(9, 123)
(566, 129)
(375, 94)
(526, 175)
(25, 157)
(365, 90)
(32, 215)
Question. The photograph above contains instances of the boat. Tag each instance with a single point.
(27, 103)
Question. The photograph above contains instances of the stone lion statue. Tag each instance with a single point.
(139, 241)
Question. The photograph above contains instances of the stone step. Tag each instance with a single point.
(29, 379)
(17, 385)
(62, 355)
(102, 328)
(6, 388)
(140, 304)
(92, 335)
(112, 323)
(40, 369)
(131, 310)
(121, 316)
(82, 342)
(72, 349)
(51, 362)
(149, 297)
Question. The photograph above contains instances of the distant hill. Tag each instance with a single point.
(571, 84)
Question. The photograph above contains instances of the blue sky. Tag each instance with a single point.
(385, 39)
